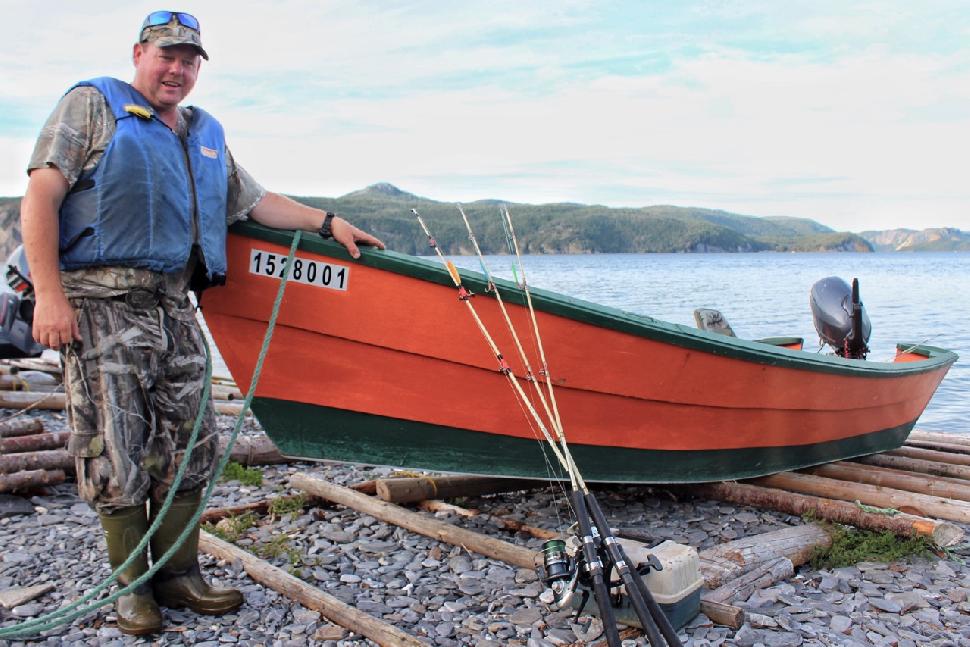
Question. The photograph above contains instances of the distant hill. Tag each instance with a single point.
(938, 239)
(573, 228)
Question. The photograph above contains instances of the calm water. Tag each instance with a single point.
(910, 298)
(917, 298)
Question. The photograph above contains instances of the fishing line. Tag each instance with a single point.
(587, 508)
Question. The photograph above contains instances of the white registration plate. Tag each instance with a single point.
(304, 270)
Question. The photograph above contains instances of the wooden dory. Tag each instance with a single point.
(377, 361)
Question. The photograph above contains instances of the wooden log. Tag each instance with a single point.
(759, 577)
(941, 532)
(253, 450)
(225, 392)
(34, 442)
(33, 381)
(311, 597)
(931, 455)
(917, 465)
(30, 479)
(365, 487)
(409, 490)
(52, 459)
(36, 364)
(953, 448)
(898, 479)
(21, 427)
(502, 522)
(228, 408)
(488, 546)
(729, 560)
(212, 515)
(724, 614)
(930, 436)
(873, 495)
(27, 399)
(11, 598)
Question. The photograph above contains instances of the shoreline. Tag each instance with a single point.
(447, 596)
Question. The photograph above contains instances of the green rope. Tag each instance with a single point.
(74, 610)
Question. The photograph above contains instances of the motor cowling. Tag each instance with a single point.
(17, 309)
(840, 317)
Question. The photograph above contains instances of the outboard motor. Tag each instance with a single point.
(17, 310)
(840, 318)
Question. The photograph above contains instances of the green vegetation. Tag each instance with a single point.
(279, 546)
(853, 545)
(569, 228)
(232, 528)
(245, 475)
(287, 505)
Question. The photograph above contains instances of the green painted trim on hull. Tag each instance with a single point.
(612, 318)
(314, 432)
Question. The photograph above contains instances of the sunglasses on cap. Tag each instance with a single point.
(159, 18)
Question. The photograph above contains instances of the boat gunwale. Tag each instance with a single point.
(613, 318)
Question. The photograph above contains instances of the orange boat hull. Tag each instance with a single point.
(391, 369)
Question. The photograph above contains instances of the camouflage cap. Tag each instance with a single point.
(173, 34)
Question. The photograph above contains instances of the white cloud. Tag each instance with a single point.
(462, 102)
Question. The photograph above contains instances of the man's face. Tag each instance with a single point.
(165, 75)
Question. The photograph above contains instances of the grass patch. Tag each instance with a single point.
(232, 528)
(287, 505)
(245, 475)
(279, 546)
(853, 545)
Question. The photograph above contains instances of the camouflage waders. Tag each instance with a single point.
(134, 385)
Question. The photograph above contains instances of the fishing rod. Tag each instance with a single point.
(553, 414)
(596, 536)
(652, 618)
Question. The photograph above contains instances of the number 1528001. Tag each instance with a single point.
(304, 270)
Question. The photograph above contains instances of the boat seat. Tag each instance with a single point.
(713, 321)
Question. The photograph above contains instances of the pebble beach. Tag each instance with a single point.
(447, 596)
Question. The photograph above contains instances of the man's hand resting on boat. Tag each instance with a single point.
(280, 212)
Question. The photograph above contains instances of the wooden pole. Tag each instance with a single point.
(931, 436)
(30, 479)
(898, 479)
(760, 577)
(309, 596)
(502, 522)
(488, 546)
(409, 490)
(954, 448)
(29, 381)
(724, 614)
(52, 459)
(253, 450)
(21, 427)
(36, 442)
(941, 532)
(917, 465)
(24, 399)
(931, 455)
(727, 561)
(873, 495)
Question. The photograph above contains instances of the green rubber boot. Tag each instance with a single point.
(179, 582)
(138, 613)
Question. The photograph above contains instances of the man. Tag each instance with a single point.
(126, 209)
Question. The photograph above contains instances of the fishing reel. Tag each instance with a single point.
(567, 573)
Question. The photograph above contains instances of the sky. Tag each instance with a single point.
(854, 114)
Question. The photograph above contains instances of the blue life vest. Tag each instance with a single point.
(135, 207)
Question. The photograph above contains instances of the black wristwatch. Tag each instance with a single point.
(325, 229)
